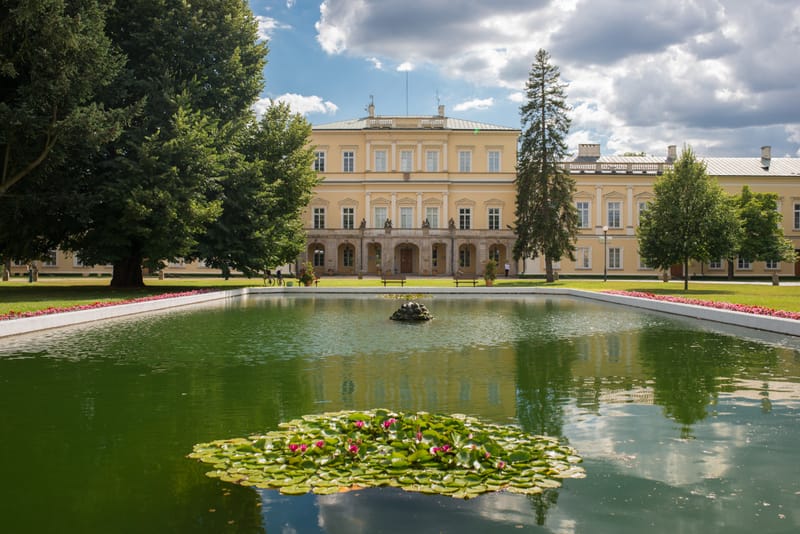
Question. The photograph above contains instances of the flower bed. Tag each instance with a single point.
(757, 310)
(452, 455)
(95, 305)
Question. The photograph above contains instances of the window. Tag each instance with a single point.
(615, 214)
(435, 256)
(319, 256)
(319, 218)
(493, 161)
(583, 214)
(797, 216)
(744, 264)
(583, 257)
(380, 161)
(464, 218)
(347, 256)
(432, 161)
(406, 160)
(772, 264)
(49, 259)
(348, 161)
(715, 264)
(432, 214)
(615, 258)
(380, 216)
(319, 161)
(494, 218)
(406, 215)
(348, 218)
(464, 161)
(642, 208)
(464, 257)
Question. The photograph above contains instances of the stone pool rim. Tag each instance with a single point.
(27, 325)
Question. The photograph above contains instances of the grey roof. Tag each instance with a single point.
(752, 167)
(446, 123)
(714, 166)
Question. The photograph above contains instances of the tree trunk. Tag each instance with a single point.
(686, 274)
(128, 273)
(730, 269)
(548, 269)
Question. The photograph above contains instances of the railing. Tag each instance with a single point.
(615, 168)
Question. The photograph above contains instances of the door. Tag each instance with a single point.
(406, 260)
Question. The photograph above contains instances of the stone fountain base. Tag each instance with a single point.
(412, 311)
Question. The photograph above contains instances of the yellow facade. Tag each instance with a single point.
(462, 174)
(416, 195)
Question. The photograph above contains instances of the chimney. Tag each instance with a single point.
(589, 150)
(672, 153)
(766, 157)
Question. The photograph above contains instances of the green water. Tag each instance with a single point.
(683, 428)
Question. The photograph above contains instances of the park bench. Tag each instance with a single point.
(461, 278)
(393, 278)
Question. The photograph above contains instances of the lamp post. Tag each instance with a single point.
(605, 253)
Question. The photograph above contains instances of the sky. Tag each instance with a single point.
(720, 76)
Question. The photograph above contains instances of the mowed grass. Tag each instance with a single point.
(18, 295)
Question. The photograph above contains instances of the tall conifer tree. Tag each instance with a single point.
(546, 219)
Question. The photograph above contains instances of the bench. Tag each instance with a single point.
(393, 278)
(461, 278)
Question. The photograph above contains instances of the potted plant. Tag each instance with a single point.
(490, 273)
(306, 274)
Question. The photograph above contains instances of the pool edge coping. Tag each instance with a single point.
(27, 325)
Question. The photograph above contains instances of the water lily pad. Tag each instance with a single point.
(341, 451)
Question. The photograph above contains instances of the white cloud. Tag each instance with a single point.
(308, 104)
(376, 63)
(290, 3)
(267, 26)
(406, 66)
(476, 103)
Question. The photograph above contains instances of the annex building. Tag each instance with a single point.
(432, 195)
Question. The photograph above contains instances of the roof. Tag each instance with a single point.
(752, 167)
(411, 123)
(715, 166)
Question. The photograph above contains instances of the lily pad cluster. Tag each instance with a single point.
(452, 455)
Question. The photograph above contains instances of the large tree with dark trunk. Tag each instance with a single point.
(193, 71)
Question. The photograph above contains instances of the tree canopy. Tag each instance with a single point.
(689, 218)
(762, 236)
(260, 226)
(546, 219)
(54, 59)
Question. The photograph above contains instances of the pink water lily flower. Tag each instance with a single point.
(320, 444)
(389, 422)
(359, 424)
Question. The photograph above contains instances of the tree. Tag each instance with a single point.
(260, 225)
(690, 218)
(546, 219)
(762, 236)
(54, 58)
(194, 70)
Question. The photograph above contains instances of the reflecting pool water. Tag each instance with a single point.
(683, 427)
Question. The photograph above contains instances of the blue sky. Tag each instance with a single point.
(718, 75)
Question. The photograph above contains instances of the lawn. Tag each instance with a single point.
(21, 296)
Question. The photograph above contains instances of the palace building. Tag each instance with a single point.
(433, 195)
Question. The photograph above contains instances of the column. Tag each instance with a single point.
(367, 214)
(367, 158)
(629, 212)
(393, 214)
(420, 217)
(599, 206)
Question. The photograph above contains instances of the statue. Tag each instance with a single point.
(426, 224)
(388, 224)
(451, 224)
(363, 224)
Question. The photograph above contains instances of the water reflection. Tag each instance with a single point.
(681, 426)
